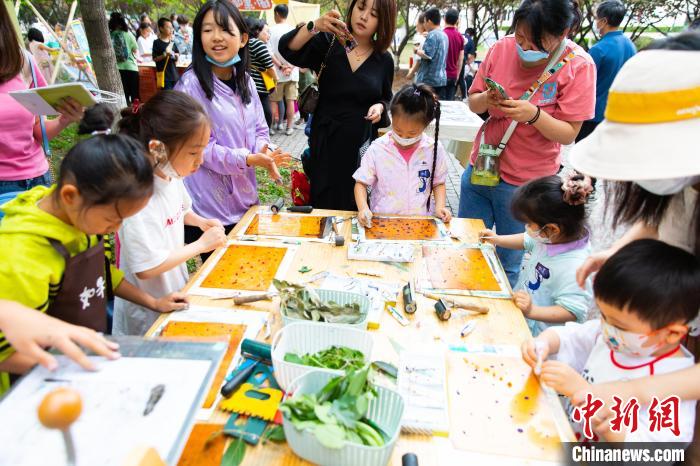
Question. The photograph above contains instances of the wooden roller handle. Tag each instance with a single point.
(456, 302)
(237, 300)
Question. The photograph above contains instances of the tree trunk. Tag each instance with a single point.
(104, 61)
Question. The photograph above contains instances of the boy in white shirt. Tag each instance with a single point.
(647, 293)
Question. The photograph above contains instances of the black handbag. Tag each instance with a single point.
(308, 100)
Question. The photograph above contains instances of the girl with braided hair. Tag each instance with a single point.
(554, 213)
(405, 167)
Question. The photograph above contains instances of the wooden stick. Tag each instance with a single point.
(456, 302)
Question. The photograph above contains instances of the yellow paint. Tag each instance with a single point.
(525, 402)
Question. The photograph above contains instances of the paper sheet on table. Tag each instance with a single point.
(112, 421)
(253, 320)
(381, 252)
(250, 263)
(422, 381)
(378, 292)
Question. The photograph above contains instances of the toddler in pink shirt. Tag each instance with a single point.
(405, 167)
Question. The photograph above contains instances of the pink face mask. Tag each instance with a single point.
(630, 343)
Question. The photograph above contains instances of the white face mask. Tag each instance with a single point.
(668, 186)
(625, 342)
(535, 235)
(169, 170)
(406, 141)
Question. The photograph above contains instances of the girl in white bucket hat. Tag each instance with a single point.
(649, 141)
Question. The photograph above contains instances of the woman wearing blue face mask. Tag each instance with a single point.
(549, 84)
(224, 187)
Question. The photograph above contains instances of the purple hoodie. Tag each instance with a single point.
(224, 187)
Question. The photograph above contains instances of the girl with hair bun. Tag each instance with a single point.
(152, 251)
(554, 213)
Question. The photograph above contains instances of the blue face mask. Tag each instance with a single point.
(531, 56)
(231, 62)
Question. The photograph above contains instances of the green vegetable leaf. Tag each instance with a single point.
(274, 434)
(323, 411)
(234, 453)
(304, 269)
(293, 358)
(330, 435)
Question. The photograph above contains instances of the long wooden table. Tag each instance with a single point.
(503, 325)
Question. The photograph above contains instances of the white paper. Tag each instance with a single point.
(112, 421)
(381, 252)
(422, 381)
(253, 320)
(378, 292)
(33, 102)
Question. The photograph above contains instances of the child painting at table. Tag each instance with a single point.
(647, 293)
(52, 251)
(557, 241)
(405, 167)
(175, 130)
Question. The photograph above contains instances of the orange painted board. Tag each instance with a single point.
(203, 448)
(245, 267)
(233, 332)
(407, 229)
(298, 226)
(459, 269)
(494, 393)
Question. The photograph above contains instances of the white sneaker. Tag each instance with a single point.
(289, 131)
(272, 130)
(279, 126)
(301, 124)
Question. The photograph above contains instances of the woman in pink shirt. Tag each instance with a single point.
(23, 164)
(550, 118)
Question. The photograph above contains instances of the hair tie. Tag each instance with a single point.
(101, 131)
(576, 188)
(136, 106)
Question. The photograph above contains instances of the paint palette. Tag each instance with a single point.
(500, 394)
(459, 269)
(245, 267)
(289, 225)
(404, 229)
(233, 332)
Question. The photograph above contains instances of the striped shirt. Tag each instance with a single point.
(260, 60)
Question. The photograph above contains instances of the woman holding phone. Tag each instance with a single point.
(355, 90)
(552, 115)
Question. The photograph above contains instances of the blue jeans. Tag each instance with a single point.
(25, 185)
(492, 205)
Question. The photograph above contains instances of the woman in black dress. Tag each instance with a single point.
(355, 91)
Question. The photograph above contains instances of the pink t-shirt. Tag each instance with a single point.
(401, 187)
(569, 95)
(456, 45)
(406, 152)
(21, 155)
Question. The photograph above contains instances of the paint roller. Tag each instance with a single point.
(251, 350)
(278, 206)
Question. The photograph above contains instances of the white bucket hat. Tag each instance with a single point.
(652, 121)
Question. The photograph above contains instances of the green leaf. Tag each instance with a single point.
(274, 434)
(330, 435)
(305, 269)
(234, 453)
(322, 412)
(293, 358)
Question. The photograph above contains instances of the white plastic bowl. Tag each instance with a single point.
(340, 297)
(386, 411)
(310, 337)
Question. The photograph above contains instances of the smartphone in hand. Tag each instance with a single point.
(491, 84)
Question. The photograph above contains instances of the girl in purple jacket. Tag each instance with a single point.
(224, 187)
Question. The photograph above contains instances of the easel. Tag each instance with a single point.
(63, 41)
